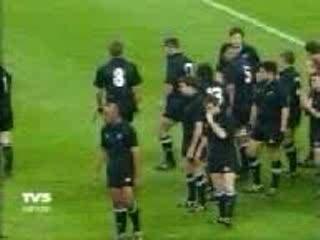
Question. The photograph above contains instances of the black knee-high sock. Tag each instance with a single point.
(8, 158)
(221, 201)
(276, 173)
(191, 184)
(167, 147)
(230, 204)
(121, 220)
(291, 152)
(255, 168)
(201, 189)
(134, 214)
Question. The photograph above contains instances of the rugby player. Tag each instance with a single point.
(6, 121)
(290, 83)
(120, 150)
(222, 157)
(119, 79)
(192, 124)
(269, 119)
(178, 66)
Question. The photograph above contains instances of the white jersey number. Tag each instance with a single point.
(189, 69)
(247, 74)
(217, 93)
(119, 79)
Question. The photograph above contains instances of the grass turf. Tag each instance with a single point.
(53, 49)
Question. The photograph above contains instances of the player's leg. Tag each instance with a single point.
(120, 212)
(190, 170)
(274, 154)
(196, 193)
(217, 181)
(253, 151)
(133, 211)
(242, 143)
(166, 143)
(201, 184)
(242, 114)
(229, 180)
(7, 152)
(291, 152)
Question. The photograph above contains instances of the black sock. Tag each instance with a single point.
(134, 214)
(221, 205)
(201, 189)
(167, 147)
(8, 158)
(291, 152)
(276, 172)
(121, 220)
(255, 167)
(191, 184)
(229, 205)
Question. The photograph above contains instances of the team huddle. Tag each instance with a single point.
(227, 113)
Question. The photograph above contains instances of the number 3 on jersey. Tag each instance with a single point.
(217, 92)
(119, 79)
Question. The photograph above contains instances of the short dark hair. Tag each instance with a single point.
(236, 30)
(204, 71)
(312, 47)
(172, 42)
(270, 67)
(116, 48)
(288, 57)
(189, 81)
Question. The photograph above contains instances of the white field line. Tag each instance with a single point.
(253, 21)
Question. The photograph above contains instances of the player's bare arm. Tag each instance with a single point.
(197, 133)
(215, 127)
(285, 112)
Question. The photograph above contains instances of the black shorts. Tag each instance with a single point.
(174, 107)
(241, 114)
(223, 163)
(119, 178)
(6, 121)
(271, 135)
(186, 142)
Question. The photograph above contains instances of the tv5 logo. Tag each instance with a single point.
(36, 198)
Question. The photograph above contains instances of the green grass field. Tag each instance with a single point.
(53, 49)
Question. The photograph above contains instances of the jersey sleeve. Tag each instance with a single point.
(99, 79)
(171, 74)
(132, 138)
(284, 97)
(136, 77)
(103, 143)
